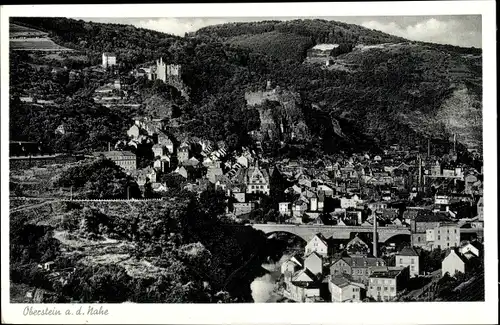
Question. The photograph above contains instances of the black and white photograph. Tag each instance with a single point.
(243, 160)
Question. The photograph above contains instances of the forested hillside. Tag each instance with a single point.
(178, 251)
(133, 45)
(318, 30)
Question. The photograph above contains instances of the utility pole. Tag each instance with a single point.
(375, 235)
(428, 148)
(419, 173)
(128, 193)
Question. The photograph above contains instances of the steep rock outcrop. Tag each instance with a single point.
(280, 113)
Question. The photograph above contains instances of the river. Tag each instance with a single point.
(263, 287)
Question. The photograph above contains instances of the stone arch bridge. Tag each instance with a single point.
(307, 232)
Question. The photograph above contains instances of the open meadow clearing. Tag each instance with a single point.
(28, 39)
(22, 31)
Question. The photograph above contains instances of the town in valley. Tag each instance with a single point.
(181, 171)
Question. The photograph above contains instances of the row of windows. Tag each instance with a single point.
(447, 245)
(448, 231)
(257, 191)
(385, 288)
(126, 162)
(447, 238)
(382, 281)
(259, 186)
(411, 262)
(340, 271)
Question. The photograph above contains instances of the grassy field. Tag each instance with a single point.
(61, 56)
(35, 44)
(28, 39)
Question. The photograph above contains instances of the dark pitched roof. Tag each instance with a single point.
(460, 255)
(340, 281)
(356, 239)
(322, 237)
(407, 251)
(411, 213)
(429, 216)
(361, 260)
(390, 273)
(298, 258)
(304, 283)
(477, 245)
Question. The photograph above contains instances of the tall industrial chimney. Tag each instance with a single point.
(109, 146)
(375, 237)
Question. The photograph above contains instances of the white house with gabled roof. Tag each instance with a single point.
(317, 244)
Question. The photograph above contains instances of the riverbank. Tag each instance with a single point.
(257, 279)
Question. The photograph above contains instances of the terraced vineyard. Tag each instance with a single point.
(28, 39)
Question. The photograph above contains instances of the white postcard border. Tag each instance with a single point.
(376, 313)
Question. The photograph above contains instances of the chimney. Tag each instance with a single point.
(428, 147)
(375, 237)
(109, 146)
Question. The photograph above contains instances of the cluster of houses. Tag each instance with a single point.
(348, 191)
(354, 274)
(112, 93)
(201, 163)
(352, 191)
(350, 275)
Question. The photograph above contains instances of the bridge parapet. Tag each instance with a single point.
(307, 232)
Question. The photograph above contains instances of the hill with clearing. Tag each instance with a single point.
(291, 39)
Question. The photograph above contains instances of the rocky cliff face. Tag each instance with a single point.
(461, 114)
(280, 113)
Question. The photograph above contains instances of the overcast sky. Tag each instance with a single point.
(455, 30)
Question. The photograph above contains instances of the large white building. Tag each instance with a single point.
(445, 236)
(257, 180)
(108, 59)
(125, 159)
(343, 290)
(408, 257)
(385, 285)
(454, 262)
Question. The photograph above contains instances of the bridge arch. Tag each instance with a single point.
(397, 238)
(289, 233)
